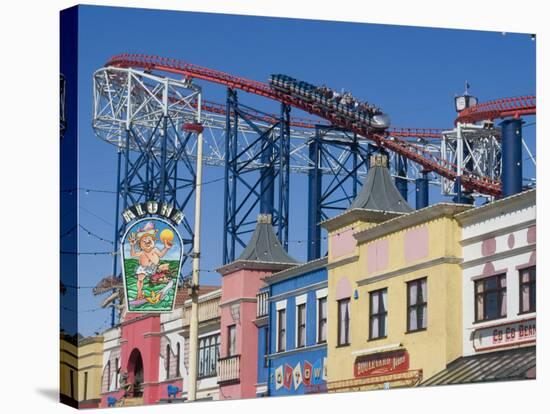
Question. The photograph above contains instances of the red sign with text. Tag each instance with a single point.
(381, 363)
(504, 335)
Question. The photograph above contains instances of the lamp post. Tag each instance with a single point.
(194, 319)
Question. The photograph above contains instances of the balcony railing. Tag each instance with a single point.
(229, 370)
(208, 309)
(262, 304)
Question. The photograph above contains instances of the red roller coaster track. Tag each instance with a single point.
(499, 108)
(411, 151)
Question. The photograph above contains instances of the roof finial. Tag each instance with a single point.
(378, 159)
(264, 218)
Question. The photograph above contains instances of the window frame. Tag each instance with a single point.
(117, 372)
(213, 346)
(499, 277)
(347, 322)
(168, 360)
(322, 320)
(266, 346)
(418, 305)
(178, 360)
(281, 344)
(378, 314)
(532, 286)
(109, 375)
(231, 350)
(301, 324)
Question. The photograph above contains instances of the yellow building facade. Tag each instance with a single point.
(80, 371)
(395, 296)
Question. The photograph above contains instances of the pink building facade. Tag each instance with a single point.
(241, 284)
(151, 351)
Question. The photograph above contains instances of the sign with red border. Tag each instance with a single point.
(381, 363)
(505, 335)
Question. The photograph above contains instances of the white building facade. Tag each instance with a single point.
(499, 274)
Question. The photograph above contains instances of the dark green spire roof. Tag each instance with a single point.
(264, 245)
(379, 192)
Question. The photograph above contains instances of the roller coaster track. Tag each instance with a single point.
(300, 122)
(499, 108)
(413, 152)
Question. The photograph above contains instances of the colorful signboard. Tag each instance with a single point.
(505, 335)
(309, 375)
(381, 364)
(152, 252)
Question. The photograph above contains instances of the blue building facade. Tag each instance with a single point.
(297, 330)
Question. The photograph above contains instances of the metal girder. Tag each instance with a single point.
(344, 157)
(475, 150)
(257, 174)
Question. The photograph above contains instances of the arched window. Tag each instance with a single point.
(117, 372)
(178, 360)
(108, 375)
(167, 361)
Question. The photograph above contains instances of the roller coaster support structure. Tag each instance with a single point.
(153, 124)
(422, 191)
(257, 169)
(401, 171)
(512, 167)
(343, 156)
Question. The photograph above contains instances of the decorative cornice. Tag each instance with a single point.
(296, 350)
(498, 232)
(410, 269)
(357, 214)
(238, 301)
(296, 271)
(501, 255)
(295, 292)
(263, 321)
(411, 219)
(508, 204)
(342, 262)
(252, 265)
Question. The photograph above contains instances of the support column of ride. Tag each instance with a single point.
(422, 191)
(230, 181)
(401, 182)
(512, 163)
(284, 176)
(315, 183)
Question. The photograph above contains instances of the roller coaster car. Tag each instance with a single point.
(311, 93)
(281, 83)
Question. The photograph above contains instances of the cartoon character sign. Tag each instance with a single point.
(152, 253)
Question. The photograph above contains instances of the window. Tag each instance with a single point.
(209, 352)
(117, 372)
(178, 360)
(490, 298)
(281, 330)
(378, 314)
(343, 322)
(109, 375)
(301, 325)
(417, 305)
(322, 320)
(528, 290)
(168, 351)
(266, 345)
(232, 343)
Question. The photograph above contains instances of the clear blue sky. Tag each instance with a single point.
(413, 73)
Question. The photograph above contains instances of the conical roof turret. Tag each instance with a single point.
(379, 192)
